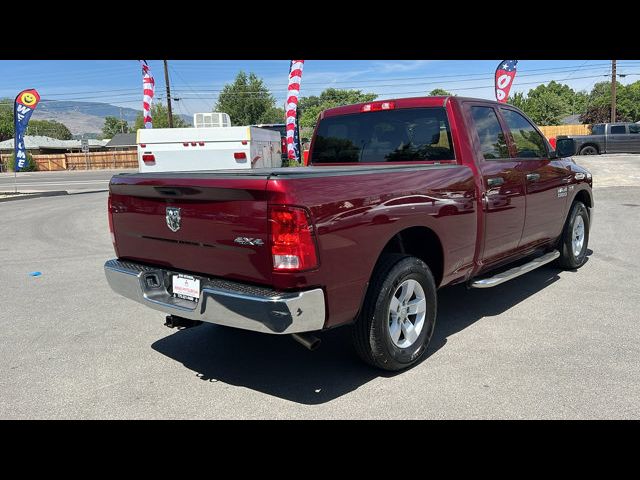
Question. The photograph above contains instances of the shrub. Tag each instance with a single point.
(9, 162)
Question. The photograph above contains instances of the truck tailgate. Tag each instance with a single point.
(214, 210)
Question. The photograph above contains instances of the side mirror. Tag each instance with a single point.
(565, 147)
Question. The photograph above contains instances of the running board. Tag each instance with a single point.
(516, 271)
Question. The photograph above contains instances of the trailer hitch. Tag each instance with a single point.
(180, 323)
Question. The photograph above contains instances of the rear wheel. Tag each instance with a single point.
(589, 150)
(575, 238)
(398, 315)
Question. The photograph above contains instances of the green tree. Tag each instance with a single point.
(49, 128)
(598, 104)
(274, 115)
(248, 101)
(310, 107)
(6, 119)
(548, 104)
(438, 92)
(518, 100)
(601, 114)
(160, 118)
(113, 126)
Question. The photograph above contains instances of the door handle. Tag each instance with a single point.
(495, 181)
(533, 177)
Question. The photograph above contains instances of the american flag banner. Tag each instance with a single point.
(148, 88)
(505, 73)
(295, 77)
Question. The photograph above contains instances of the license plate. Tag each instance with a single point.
(186, 287)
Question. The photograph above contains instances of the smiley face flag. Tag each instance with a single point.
(26, 103)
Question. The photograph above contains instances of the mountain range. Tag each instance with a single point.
(85, 117)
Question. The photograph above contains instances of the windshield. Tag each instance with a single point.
(402, 135)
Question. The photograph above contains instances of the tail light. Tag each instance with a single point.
(373, 107)
(148, 158)
(111, 232)
(240, 156)
(293, 242)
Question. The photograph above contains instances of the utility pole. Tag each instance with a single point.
(613, 91)
(166, 81)
(121, 124)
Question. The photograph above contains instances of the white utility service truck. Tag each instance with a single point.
(216, 148)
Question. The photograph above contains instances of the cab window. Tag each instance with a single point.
(529, 143)
(492, 139)
(402, 135)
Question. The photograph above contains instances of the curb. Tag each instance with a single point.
(25, 196)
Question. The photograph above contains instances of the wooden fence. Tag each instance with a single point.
(555, 130)
(84, 161)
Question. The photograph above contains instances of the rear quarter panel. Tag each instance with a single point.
(356, 215)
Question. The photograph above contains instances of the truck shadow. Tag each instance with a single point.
(278, 366)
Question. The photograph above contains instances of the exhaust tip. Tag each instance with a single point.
(310, 342)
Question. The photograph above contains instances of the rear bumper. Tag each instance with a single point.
(222, 302)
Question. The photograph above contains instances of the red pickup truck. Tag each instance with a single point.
(401, 197)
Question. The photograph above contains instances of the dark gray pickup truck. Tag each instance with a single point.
(609, 138)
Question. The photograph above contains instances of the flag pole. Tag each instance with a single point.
(15, 152)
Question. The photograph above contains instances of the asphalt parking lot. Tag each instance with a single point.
(551, 344)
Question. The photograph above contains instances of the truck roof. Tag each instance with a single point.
(411, 102)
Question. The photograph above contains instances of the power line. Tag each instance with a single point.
(134, 91)
(428, 77)
(196, 93)
(204, 97)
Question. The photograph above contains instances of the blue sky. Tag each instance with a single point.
(197, 82)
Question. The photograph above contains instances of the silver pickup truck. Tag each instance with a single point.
(608, 138)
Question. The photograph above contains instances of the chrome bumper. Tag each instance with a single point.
(222, 302)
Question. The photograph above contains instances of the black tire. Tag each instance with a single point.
(371, 336)
(589, 150)
(568, 259)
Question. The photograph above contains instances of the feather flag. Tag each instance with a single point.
(25, 103)
(148, 89)
(505, 73)
(293, 92)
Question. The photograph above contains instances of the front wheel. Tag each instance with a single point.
(398, 315)
(575, 238)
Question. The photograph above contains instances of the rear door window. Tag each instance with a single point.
(402, 135)
(492, 140)
(618, 129)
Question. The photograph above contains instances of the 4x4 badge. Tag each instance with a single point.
(249, 241)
